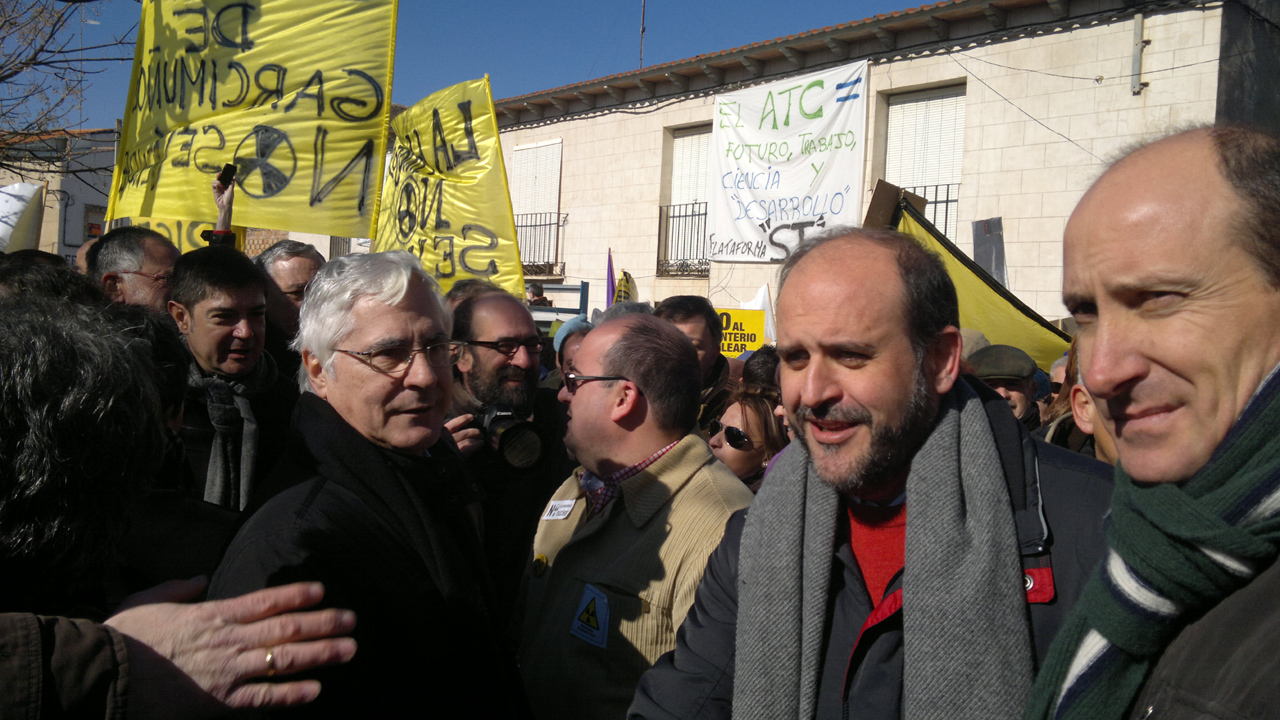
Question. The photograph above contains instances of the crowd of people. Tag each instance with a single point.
(325, 487)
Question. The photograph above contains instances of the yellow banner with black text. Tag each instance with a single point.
(295, 93)
(445, 199)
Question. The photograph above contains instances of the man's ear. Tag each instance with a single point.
(316, 374)
(113, 286)
(1082, 408)
(181, 316)
(625, 401)
(465, 362)
(942, 360)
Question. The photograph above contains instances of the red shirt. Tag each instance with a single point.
(878, 538)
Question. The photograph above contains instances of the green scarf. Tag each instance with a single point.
(1175, 553)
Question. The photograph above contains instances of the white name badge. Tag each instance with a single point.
(559, 509)
(591, 621)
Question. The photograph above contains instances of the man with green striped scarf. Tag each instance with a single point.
(1172, 270)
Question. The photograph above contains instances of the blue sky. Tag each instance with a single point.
(524, 46)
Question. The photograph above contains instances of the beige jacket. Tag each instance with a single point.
(604, 597)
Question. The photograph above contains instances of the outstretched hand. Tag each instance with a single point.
(220, 647)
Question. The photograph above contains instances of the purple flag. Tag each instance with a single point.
(610, 284)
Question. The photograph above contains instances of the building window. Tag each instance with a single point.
(924, 150)
(535, 200)
(682, 224)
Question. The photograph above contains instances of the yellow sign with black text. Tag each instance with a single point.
(295, 93)
(741, 330)
(185, 234)
(446, 198)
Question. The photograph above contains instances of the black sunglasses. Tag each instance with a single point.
(736, 438)
(510, 347)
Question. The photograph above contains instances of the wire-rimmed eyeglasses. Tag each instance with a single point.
(397, 358)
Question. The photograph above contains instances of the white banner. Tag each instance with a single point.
(787, 160)
(21, 214)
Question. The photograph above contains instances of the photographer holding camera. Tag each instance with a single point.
(510, 430)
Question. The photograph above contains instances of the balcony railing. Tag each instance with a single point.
(539, 238)
(943, 201)
(682, 240)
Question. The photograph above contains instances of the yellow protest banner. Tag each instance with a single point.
(741, 330)
(626, 290)
(446, 198)
(986, 305)
(295, 93)
(184, 234)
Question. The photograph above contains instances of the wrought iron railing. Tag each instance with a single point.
(682, 240)
(943, 202)
(539, 238)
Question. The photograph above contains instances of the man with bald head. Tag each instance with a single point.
(1172, 270)
(623, 542)
(904, 476)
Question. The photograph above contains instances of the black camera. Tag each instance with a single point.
(513, 438)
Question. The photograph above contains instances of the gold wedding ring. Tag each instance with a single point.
(271, 661)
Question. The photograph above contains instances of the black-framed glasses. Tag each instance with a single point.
(397, 358)
(1055, 387)
(573, 381)
(736, 438)
(161, 278)
(510, 347)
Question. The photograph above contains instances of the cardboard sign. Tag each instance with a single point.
(742, 330)
(446, 199)
(295, 93)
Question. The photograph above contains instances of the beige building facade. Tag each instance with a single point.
(1042, 95)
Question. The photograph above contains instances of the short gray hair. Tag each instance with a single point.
(122, 250)
(285, 250)
(325, 318)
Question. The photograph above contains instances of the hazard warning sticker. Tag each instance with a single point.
(591, 621)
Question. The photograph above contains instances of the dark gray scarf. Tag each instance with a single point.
(966, 630)
(232, 458)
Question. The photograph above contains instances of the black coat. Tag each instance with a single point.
(862, 676)
(391, 538)
(1224, 665)
(272, 408)
(514, 500)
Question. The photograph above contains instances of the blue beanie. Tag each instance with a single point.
(574, 325)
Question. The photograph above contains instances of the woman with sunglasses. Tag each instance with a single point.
(748, 435)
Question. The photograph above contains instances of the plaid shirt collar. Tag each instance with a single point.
(602, 490)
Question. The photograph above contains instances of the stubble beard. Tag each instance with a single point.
(891, 450)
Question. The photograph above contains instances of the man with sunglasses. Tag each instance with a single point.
(384, 513)
(134, 265)
(622, 544)
(498, 368)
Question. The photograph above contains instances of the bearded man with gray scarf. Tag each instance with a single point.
(238, 408)
(827, 598)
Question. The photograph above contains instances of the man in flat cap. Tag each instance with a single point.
(1011, 373)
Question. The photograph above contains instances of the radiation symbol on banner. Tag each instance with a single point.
(265, 162)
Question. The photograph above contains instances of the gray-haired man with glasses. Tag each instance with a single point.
(383, 515)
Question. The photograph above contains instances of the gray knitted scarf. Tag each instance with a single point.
(967, 641)
(228, 481)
